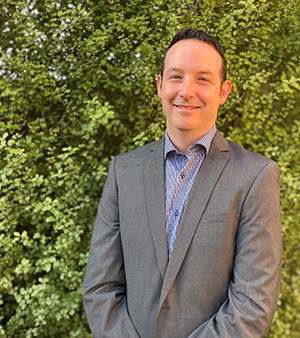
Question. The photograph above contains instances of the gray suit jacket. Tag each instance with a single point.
(223, 278)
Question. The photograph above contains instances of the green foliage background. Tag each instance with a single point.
(77, 86)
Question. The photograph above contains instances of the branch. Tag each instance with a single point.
(44, 117)
(64, 114)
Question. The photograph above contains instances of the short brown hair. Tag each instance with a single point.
(191, 33)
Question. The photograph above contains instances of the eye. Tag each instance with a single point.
(203, 79)
(175, 77)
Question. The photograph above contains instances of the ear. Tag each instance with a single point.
(225, 90)
(159, 84)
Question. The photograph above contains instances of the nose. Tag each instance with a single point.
(187, 90)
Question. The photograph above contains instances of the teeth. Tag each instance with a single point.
(183, 107)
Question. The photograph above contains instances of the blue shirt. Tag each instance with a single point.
(180, 174)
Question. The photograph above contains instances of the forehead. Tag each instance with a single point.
(193, 55)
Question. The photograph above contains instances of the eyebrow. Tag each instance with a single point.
(206, 72)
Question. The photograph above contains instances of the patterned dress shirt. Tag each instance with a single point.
(180, 174)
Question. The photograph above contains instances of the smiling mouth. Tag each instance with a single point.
(186, 107)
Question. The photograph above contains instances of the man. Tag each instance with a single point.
(187, 240)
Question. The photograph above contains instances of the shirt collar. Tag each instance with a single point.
(205, 141)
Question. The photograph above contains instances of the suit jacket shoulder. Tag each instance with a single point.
(241, 157)
(139, 155)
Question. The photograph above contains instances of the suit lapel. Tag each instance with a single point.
(205, 182)
(155, 201)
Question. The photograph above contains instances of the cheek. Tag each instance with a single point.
(211, 97)
(170, 92)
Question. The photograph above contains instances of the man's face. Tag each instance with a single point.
(191, 89)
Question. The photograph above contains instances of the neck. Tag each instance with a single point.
(183, 140)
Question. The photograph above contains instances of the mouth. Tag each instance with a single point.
(186, 107)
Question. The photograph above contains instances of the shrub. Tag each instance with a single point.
(77, 84)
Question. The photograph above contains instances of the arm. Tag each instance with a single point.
(104, 284)
(254, 288)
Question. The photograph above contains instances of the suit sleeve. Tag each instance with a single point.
(104, 285)
(254, 288)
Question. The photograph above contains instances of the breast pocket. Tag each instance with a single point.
(217, 232)
(219, 217)
(214, 246)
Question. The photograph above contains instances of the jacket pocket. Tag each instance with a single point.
(227, 217)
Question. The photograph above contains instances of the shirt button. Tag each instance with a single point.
(176, 213)
(182, 175)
